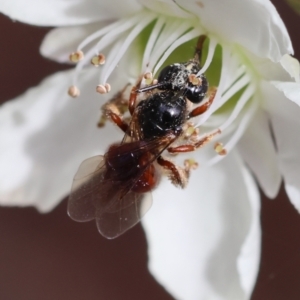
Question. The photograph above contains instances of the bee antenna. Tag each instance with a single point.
(198, 51)
(150, 87)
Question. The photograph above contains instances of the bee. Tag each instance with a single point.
(115, 189)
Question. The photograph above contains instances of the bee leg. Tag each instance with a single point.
(204, 107)
(115, 118)
(133, 95)
(118, 104)
(132, 99)
(193, 145)
(178, 176)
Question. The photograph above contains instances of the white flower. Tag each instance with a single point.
(204, 241)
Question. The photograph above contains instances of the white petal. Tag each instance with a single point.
(258, 151)
(290, 89)
(292, 66)
(204, 241)
(60, 42)
(254, 24)
(63, 13)
(44, 136)
(285, 117)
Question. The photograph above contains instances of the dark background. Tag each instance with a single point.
(52, 257)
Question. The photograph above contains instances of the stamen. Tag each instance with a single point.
(98, 60)
(107, 87)
(241, 128)
(237, 86)
(211, 51)
(148, 77)
(73, 91)
(101, 89)
(190, 164)
(111, 34)
(219, 148)
(152, 40)
(183, 39)
(98, 34)
(172, 30)
(76, 56)
(113, 61)
(226, 55)
(248, 93)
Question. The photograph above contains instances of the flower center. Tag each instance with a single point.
(163, 40)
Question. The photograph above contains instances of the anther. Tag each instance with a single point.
(219, 148)
(103, 89)
(107, 87)
(102, 121)
(148, 77)
(76, 56)
(73, 91)
(98, 60)
(189, 131)
(190, 164)
(194, 80)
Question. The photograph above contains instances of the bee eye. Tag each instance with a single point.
(196, 93)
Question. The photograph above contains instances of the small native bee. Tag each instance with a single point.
(115, 189)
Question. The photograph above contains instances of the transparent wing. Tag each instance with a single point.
(132, 207)
(81, 206)
(103, 187)
(115, 208)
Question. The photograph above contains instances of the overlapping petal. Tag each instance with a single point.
(204, 241)
(258, 151)
(44, 136)
(64, 13)
(285, 121)
(253, 24)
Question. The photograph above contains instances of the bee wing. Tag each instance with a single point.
(113, 203)
(114, 207)
(127, 212)
(81, 206)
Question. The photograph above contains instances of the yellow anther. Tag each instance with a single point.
(73, 91)
(190, 164)
(148, 77)
(76, 56)
(189, 131)
(219, 148)
(98, 60)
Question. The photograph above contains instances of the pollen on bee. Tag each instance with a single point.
(73, 91)
(76, 56)
(98, 60)
(194, 80)
(103, 89)
(219, 148)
